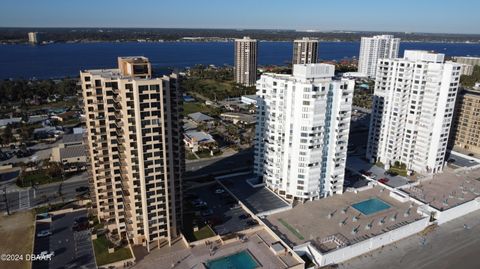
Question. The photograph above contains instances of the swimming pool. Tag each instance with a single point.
(240, 260)
(371, 206)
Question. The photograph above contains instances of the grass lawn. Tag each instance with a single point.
(16, 233)
(291, 229)
(206, 153)
(39, 177)
(100, 245)
(189, 155)
(193, 107)
(398, 171)
(204, 232)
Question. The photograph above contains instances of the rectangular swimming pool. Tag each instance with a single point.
(371, 206)
(240, 260)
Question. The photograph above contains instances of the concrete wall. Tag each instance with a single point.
(349, 252)
(458, 211)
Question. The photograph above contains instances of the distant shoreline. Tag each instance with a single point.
(219, 41)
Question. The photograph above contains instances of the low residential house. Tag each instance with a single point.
(239, 118)
(71, 153)
(249, 99)
(196, 141)
(7, 121)
(37, 119)
(49, 133)
(199, 117)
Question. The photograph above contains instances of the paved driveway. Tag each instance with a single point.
(356, 164)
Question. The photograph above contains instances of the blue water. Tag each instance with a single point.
(371, 206)
(241, 260)
(60, 60)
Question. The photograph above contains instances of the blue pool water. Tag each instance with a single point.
(240, 260)
(371, 206)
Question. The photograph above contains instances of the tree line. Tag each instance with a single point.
(19, 91)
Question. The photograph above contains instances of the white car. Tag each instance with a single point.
(47, 253)
(219, 191)
(44, 233)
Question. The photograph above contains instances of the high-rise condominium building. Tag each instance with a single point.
(374, 48)
(413, 106)
(34, 37)
(301, 135)
(305, 51)
(135, 150)
(246, 61)
(466, 131)
(468, 64)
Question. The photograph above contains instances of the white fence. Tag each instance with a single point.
(349, 252)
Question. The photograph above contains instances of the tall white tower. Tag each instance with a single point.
(303, 122)
(412, 110)
(374, 48)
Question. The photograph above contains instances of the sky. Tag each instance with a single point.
(432, 16)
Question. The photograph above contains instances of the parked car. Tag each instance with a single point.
(235, 206)
(252, 222)
(44, 216)
(207, 213)
(219, 191)
(44, 233)
(82, 189)
(47, 253)
(366, 173)
(199, 203)
(244, 216)
(79, 226)
(383, 180)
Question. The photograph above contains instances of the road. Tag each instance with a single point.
(448, 246)
(23, 199)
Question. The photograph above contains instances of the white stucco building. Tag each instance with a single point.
(412, 110)
(302, 128)
(374, 48)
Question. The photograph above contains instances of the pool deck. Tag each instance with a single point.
(452, 187)
(183, 257)
(318, 220)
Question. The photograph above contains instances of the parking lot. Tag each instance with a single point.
(358, 164)
(220, 210)
(457, 160)
(72, 249)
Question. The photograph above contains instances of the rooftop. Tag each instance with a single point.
(200, 137)
(198, 116)
(258, 200)
(73, 152)
(247, 118)
(134, 59)
(448, 189)
(341, 224)
(423, 55)
(257, 243)
(72, 138)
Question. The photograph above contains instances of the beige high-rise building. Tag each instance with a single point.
(468, 64)
(135, 150)
(305, 51)
(246, 61)
(34, 37)
(466, 131)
